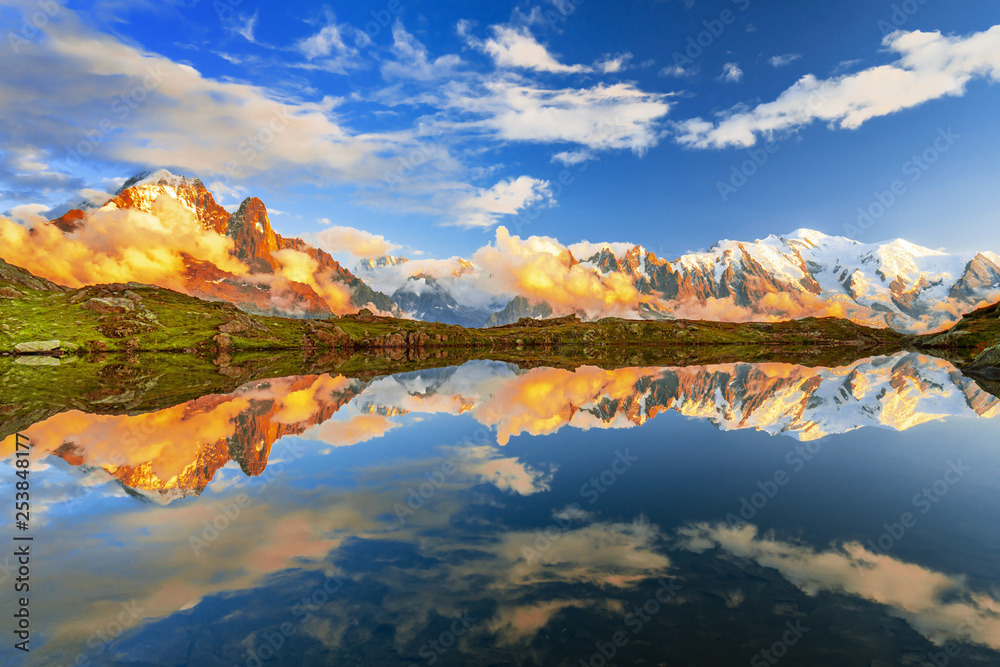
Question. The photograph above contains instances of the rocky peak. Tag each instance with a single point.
(981, 273)
(373, 263)
(250, 229)
(140, 191)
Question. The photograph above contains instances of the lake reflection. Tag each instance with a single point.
(490, 515)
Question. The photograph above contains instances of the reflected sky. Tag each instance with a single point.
(524, 517)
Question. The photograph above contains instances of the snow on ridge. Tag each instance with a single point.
(158, 177)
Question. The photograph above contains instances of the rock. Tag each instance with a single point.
(132, 343)
(9, 293)
(131, 296)
(417, 339)
(109, 305)
(35, 347)
(364, 312)
(234, 326)
(37, 361)
(332, 337)
(990, 358)
(223, 341)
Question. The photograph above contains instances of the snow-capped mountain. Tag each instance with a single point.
(898, 392)
(425, 298)
(270, 287)
(373, 263)
(806, 273)
(895, 283)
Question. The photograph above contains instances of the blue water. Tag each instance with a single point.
(669, 543)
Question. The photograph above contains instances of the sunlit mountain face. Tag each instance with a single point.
(176, 452)
(166, 229)
(527, 516)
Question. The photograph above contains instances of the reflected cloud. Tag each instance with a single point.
(175, 452)
(939, 606)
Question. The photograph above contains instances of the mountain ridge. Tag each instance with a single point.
(255, 244)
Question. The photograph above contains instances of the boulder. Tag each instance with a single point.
(990, 358)
(38, 361)
(37, 346)
(332, 337)
(9, 293)
(109, 305)
(223, 342)
(234, 326)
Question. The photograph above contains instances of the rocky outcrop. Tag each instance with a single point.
(254, 244)
(37, 347)
(518, 308)
(250, 229)
(15, 275)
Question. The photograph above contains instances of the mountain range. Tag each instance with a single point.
(893, 284)
(255, 244)
(805, 273)
(194, 440)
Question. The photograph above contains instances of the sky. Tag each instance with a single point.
(418, 128)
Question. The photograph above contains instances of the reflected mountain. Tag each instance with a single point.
(175, 452)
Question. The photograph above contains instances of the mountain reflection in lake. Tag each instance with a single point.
(489, 515)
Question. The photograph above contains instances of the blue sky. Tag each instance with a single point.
(430, 124)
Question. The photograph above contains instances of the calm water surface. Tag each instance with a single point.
(488, 515)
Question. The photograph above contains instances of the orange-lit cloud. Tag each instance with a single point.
(119, 246)
(355, 242)
(299, 267)
(939, 606)
(542, 269)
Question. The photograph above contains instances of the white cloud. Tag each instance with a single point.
(245, 27)
(515, 47)
(329, 49)
(599, 118)
(412, 60)
(570, 158)
(181, 118)
(731, 72)
(940, 606)
(485, 207)
(930, 66)
(29, 215)
(676, 70)
(613, 64)
(782, 60)
(350, 241)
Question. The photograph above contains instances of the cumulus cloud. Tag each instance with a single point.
(600, 118)
(119, 246)
(348, 240)
(613, 64)
(516, 47)
(930, 66)
(485, 207)
(334, 48)
(570, 158)
(412, 59)
(542, 269)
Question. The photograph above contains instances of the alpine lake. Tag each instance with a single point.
(502, 514)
